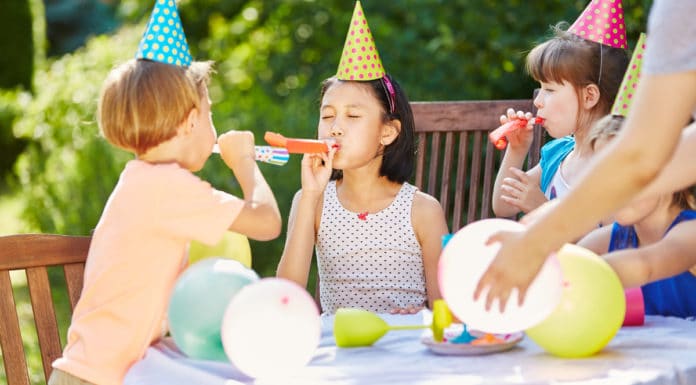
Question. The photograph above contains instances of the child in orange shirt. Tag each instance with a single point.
(157, 107)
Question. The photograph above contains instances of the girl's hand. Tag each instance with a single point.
(509, 269)
(521, 191)
(236, 146)
(407, 310)
(523, 137)
(316, 171)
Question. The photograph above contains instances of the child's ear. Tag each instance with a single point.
(590, 96)
(189, 122)
(390, 131)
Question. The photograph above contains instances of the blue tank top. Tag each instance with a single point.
(552, 154)
(674, 296)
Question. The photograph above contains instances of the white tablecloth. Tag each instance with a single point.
(663, 351)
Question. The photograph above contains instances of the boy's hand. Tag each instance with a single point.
(521, 191)
(236, 146)
(522, 138)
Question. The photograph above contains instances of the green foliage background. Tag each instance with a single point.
(271, 57)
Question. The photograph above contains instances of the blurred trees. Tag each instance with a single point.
(271, 57)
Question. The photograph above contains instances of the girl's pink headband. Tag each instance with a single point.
(391, 95)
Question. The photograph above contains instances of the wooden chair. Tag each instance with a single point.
(33, 253)
(456, 163)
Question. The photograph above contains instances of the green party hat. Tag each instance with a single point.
(360, 59)
(164, 40)
(630, 81)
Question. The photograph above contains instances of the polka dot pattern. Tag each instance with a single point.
(374, 264)
(360, 59)
(164, 40)
(629, 84)
(602, 21)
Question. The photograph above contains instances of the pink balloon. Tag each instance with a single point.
(462, 263)
(270, 328)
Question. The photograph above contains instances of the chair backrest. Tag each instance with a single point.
(456, 163)
(33, 253)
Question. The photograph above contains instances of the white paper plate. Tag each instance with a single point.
(448, 348)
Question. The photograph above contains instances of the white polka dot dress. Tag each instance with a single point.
(373, 261)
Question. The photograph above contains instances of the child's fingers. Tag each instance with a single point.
(512, 183)
(521, 175)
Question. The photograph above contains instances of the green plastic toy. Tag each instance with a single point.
(358, 327)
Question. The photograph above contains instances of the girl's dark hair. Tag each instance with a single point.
(398, 158)
(580, 62)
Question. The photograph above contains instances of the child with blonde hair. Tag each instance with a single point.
(161, 113)
(579, 75)
(377, 238)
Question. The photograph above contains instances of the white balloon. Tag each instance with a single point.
(464, 260)
(270, 328)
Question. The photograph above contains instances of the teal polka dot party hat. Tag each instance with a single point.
(164, 40)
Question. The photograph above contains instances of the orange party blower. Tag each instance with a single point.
(296, 146)
(497, 136)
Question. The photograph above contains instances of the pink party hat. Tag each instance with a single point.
(360, 59)
(603, 22)
(630, 81)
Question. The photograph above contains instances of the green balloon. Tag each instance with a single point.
(591, 309)
(198, 304)
(357, 327)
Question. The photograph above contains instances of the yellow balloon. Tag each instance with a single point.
(591, 310)
(232, 246)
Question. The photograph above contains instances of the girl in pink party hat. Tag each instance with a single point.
(579, 71)
(377, 238)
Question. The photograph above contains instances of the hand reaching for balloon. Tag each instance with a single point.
(509, 269)
(406, 310)
(521, 191)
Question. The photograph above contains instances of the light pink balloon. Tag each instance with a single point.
(270, 328)
(463, 262)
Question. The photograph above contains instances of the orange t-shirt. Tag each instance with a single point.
(138, 249)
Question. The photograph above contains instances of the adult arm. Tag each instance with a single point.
(615, 175)
(680, 172)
